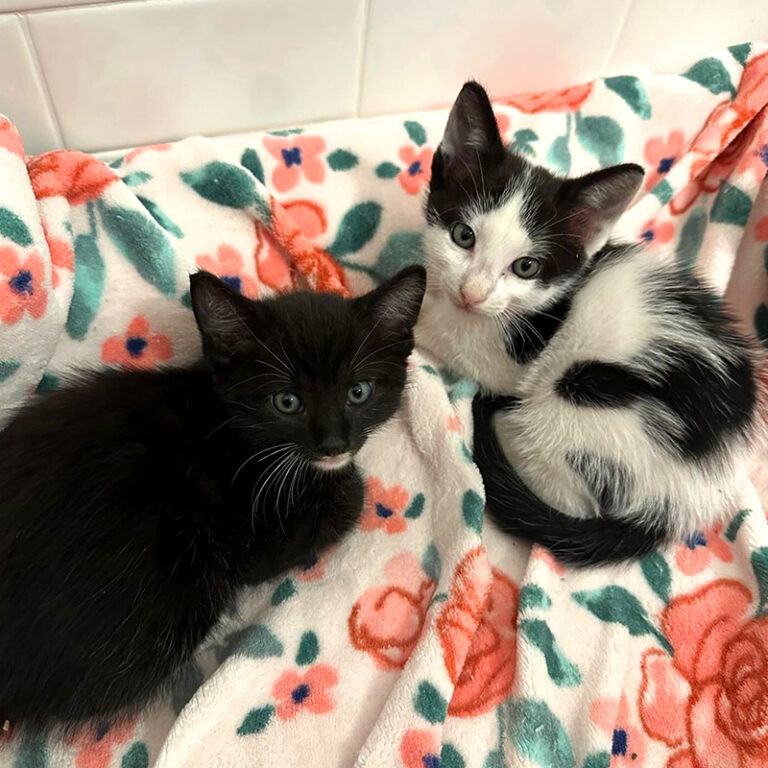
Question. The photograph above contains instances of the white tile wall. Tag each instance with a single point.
(101, 74)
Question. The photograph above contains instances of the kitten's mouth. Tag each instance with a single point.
(332, 463)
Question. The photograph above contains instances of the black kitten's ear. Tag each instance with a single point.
(221, 314)
(395, 305)
(471, 133)
(596, 201)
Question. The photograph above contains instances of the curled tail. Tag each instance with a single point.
(517, 511)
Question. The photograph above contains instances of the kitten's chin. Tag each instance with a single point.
(333, 463)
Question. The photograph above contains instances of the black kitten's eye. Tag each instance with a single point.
(463, 235)
(287, 402)
(526, 267)
(358, 394)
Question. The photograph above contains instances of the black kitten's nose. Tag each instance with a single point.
(333, 446)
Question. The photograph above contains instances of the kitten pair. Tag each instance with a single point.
(621, 402)
(133, 505)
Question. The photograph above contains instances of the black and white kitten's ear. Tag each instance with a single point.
(394, 306)
(596, 201)
(471, 134)
(222, 316)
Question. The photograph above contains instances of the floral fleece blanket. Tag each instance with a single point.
(426, 639)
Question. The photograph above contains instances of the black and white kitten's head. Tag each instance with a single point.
(507, 237)
(312, 371)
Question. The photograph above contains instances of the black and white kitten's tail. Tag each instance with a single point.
(519, 512)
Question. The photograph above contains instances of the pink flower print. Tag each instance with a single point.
(309, 692)
(384, 507)
(9, 138)
(661, 154)
(628, 743)
(540, 553)
(314, 568)
(95, 743)
(453, 423)
(418, 168)
(62, 256)
(134, 153)
(420, 748)
(22, 286)
(756, 160)
(137, 347)
(228, 265)
(653, 234)
(294, 155)
(502, 123)
(696, 552)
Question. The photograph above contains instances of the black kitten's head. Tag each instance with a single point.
(310, 373)
(505, 236)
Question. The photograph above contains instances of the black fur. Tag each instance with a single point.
(133, 505)
(525, 341)
(517, 511)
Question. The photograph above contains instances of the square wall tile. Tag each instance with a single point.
(22, 98)
(133, 73)
(667, 37)
(418, 54)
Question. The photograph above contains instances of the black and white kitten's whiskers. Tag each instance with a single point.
(624, 401)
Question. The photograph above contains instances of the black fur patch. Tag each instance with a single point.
(609, 483)
(527, 339)
(598, 384)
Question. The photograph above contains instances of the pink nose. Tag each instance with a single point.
(468, 300)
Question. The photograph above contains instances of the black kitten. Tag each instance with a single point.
(133, 505)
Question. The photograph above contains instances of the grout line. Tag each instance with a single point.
(361, 55)
(38, 67)
(615, 42)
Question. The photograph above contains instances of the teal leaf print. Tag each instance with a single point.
(533, 597)
(539, 735)
(740, 52)
(559, 156)
(157, 213)
(357, 227)
(761, 324)
(731, 206)
(136, 757)
(429, 703)
(657, 574)
(691, 238)
(285, 590)
(430, 562)
(415, 508)
(633, 92)
(88, 286)
(185, 682)
(734, 526)
(466, 455)
(416, 132)
(342, 160)
(186, 299)
(601, 137)
(598, 760)
(472, 510)
(309, 648)
(136, 178)
(562, 671)
(522, 142)
(494, 759)
(48, 382)
(616, 605)
(387, 170)
(663, 192)
(117, 162)
(8, 368)
(450, 757)
(250, 160)
(255, 642)
(400, 250)
(711, 74)
(222, 183)
(759, 562)
(143, 243)
(32, 752)
(12, 227)
(256, 721)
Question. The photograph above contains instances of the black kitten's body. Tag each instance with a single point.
(133, 505)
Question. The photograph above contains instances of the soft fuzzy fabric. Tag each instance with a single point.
(426, 639)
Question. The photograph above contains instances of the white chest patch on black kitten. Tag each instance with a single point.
(620, 401)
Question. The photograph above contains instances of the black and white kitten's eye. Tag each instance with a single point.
(463, 235)
(526, 267)
(287, 402)
(358, 394)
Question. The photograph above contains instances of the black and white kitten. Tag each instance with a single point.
(133, 505)
(628, 405)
